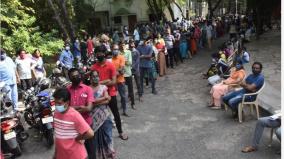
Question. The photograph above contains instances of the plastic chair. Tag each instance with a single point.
(250, 103)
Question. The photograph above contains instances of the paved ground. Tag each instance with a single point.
(176, 124)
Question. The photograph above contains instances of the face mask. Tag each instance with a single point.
(238, 66)
(3, 57)
(100, 58)
(115, 52)
(76, 81)
(96, 80)
(67, 48)
(60, 108)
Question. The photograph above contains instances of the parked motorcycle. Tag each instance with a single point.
(13, 133)
(39, 109)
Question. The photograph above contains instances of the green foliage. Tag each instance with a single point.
(19, 30)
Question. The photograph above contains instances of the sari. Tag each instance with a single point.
(102, 126)
(220, 89)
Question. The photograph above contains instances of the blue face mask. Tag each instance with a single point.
(238, 66)
(115, 52)
(3, 57)
(60, 108)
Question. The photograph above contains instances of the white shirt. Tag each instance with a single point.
(24, 67)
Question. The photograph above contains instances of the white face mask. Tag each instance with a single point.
(67, 47)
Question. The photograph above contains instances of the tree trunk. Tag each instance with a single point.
(179, 9)
(151, 7)
(67, 20)
(171, 12)
(212, 9)
(57, 17)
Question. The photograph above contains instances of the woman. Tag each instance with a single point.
(183, 45)
(222, 88)
(38, 65)
(102, 123)
(161, 58)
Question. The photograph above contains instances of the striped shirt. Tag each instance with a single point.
(67, 127)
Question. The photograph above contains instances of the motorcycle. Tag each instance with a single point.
(13, 134)
(57, 79)
(39, 110)
(5, 101)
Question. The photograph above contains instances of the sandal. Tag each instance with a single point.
(248, 149)
(123, 137)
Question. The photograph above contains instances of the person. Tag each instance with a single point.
(169, 41)
(273, 121)
(135, 67)
(76, 50)
(161, 58)
(38, 67)
(218, 90)
(183, 45)
(146, 51)
(251, 84)
(136, 36)
(115, 37)
(119, 62)
(83, 48)
(82, 98)
(107, 75)
(25, 69)
(244, 57)
(9, 75)
(125, 34)
(70, 128)
(66, 60)
(209, 31)
(127, 73)
(105, 42)
(90, 46)
(102, 125)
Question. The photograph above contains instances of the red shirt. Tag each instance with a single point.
(90, 46)
(106, 71)
(81, 96)
(67, 127)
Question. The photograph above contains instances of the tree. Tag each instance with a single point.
(211, 8)
(18, 30)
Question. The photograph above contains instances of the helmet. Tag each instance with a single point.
(44, 83)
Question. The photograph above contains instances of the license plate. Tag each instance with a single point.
(47, 120)
(10, 135)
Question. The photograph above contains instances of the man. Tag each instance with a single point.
(82, 98)
(136, 36)
(128, 74)
(119, 63)
(273, 121)
(125, 34)
(115, 37)
(146, 51)
(107, 73)
(24, 69)
(9, 75)
(252, 84)
(170, 40)
(136, 66)
(66, 60)
(70, 128)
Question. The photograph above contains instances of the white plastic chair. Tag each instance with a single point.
(250, 103)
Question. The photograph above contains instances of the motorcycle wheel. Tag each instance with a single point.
(28, 118)
(49, 137)
(17, 151)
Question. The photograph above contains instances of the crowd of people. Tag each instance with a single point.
(84, 115)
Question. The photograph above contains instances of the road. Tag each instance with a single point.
(177, 124)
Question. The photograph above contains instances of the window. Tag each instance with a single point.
(117, 20)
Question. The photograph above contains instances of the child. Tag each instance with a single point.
(70, 128)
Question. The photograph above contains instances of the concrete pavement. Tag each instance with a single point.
(177, 124)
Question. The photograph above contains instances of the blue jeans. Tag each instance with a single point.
(233, 99)
(13, 94)
(122, 93)
(150, 74)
